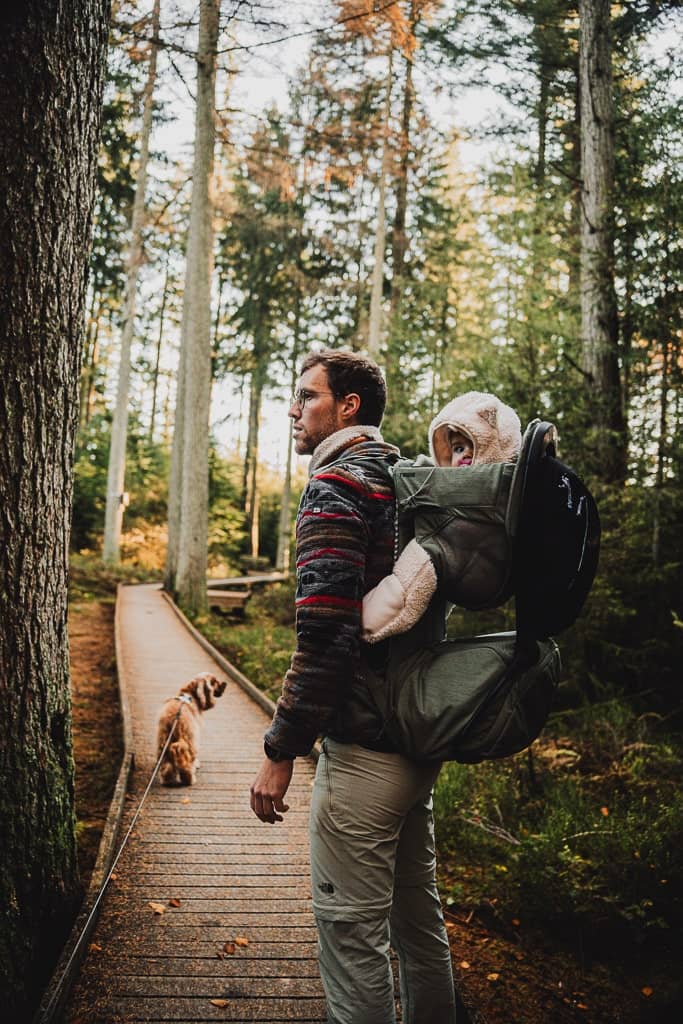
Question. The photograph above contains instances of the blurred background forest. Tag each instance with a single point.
(461, 192)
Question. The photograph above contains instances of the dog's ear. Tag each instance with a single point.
(218, 686)
(205, 693)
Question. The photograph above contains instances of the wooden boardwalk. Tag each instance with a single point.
(200, 853)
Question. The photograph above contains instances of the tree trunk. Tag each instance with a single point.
(194, 477)
(375, 328)
(251, 495)
(176, 468)
(91, 355)
(284, 537)
(52, 59)
(400, 241)
(116, 472)
(157, 357)
(661, 456)
(599, 328)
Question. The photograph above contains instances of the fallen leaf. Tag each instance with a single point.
(174, 902)
(186, 800)
(604, 811)
(158, 908)
(113, 877)
(464, 965)
(241, 941)
(492, 977)
(516, 922)
(94, 948)
(220, 1002)
(581, 1006)
(646, 990)
(229, 948)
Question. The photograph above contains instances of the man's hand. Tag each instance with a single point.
(269, 788)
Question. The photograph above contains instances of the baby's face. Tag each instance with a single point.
(461, 449)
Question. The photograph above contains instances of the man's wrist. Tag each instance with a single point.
(273, 754)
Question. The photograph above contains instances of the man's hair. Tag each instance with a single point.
(348, 372)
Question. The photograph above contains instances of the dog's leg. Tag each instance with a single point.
(168, 774)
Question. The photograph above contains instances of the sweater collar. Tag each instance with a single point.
(336, 443)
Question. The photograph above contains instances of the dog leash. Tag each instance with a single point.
(184, 698)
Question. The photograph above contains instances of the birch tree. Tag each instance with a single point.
(113, 517)
(599, 326)
(188, 498)
(52, 58)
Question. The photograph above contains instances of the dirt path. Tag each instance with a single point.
(96, 721)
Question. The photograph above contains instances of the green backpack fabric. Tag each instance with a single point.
(468, 699)
(476, 698)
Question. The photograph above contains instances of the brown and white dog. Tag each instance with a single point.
(180, 762)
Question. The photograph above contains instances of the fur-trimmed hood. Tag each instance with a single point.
(494, 428)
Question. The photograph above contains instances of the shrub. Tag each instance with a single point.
(588, 828)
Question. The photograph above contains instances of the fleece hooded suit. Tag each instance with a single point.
(477, 551)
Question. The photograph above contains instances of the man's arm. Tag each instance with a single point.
(332, 541)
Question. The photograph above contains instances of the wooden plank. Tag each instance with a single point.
(190, 905)
(169, 966)
(152, 1011)
(220, 985)
(256, 578)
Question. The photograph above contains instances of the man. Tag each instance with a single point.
(371, 829)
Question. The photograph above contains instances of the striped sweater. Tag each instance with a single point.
(344, 546)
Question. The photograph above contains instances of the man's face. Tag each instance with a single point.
(321, 414)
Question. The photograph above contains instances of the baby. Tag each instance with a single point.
(474, 429)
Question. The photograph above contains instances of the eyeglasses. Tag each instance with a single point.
(302, 396)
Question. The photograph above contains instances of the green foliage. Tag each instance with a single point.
(261, 645)
(585, 830)
(226, 515)
(146, 480)
(90, 579)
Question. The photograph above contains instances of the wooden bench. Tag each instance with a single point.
(228, 600)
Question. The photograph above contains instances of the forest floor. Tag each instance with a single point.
(507, 976)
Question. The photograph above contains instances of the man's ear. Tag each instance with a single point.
(350, 407)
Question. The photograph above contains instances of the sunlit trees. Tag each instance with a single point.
(188, 487)
(114, 504)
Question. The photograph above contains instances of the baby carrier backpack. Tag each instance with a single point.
(476, 698)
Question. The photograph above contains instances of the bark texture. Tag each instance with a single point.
(193, 490)
(599, 325)
(52, 56)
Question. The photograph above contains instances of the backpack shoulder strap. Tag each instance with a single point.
(539, 440)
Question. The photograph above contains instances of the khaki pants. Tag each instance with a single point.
(373, 872)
